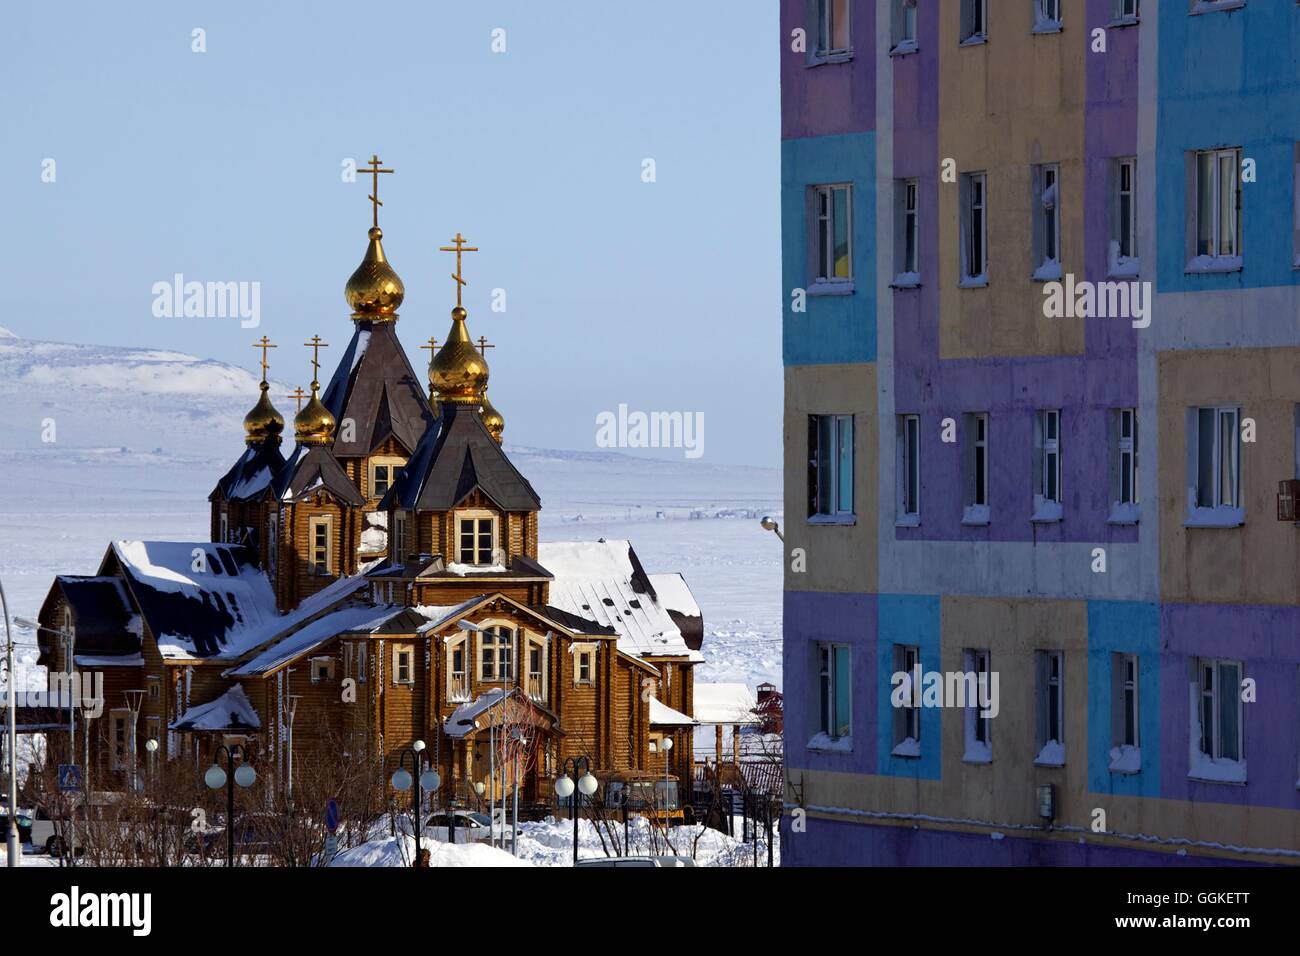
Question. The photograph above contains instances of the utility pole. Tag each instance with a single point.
(14, 852)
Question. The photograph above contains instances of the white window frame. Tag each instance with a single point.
(1218, 512)
(1215, 260)
(903, 17)
(1047, 222)
(461, 644)
(828, 13)
(836, 510)
(974, 205)
(975, 439)
(827, 695)
(224, 531)
(974, 22)
(907, 268)
(1125, 12)
(1047, 16)
(1048, 491)
(1119, 263)
(499, 637)
(478, 516)
(822, 239)
(907, 719)
(978, 729)
(321, 669)
(313, 549)
(1128, 686)
(908, 482)
(1218, 763)
(1125, 467)
(584, 655)
(403, 652)
(1051, 702)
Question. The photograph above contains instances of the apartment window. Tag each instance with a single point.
(907, 267)
(584, 667)
(477, 539)
(1125, 11)
(907, 718)
(974, 230)
(1221, 736)
(1214, 453)
(1047, 16)
(321, 669)
(1217, 212)
(497, 654)
(904, 26)
(976, 466)
(909, 469)
(830, 466)
(1124, 717)
(1047, 485)
(403, 664)
(1122, 255)
(833, 27)
(1051, 707)
(321, 547)
(979, 728)
(835, 676)
(974, 21)
(1047, 222)
(833, 239)
(1124, 466)
(398, 550)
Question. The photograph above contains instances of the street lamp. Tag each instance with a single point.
(216, 778)
(770, 524)
(151, 748)
(565, 789)
(426, 780)
(12, 747)
(667, 746)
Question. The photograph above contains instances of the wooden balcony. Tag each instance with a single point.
(535, 686)
(458, 687)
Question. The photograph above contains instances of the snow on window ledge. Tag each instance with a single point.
(1046, 512)
(975, 515)
(980, 281)
(833, 519)
(906, 280)
(907, 521)
(1130, 21)
(1046, 26)
(1214, 6)
(838, 56)
(904, 47)
(907, 747)
(1052, 755)
(1048, 271)
(1216, 769)
(1117, 266)
(977, 752)
(1212, 264)
(825, 741)
(1126, 759)
(831, 287)
(1124, 512)
(1222, 517)
(975, 39)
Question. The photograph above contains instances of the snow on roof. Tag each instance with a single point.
(462, 719)
(724, 704)
(664, 716)
(312, 636)
(603, 580)
(440, 614)
(675, 594)
(121, 660)
(222, 611)
(231, 711)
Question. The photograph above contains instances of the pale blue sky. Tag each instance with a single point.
(226, 166)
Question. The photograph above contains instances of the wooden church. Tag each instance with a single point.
(381, 582)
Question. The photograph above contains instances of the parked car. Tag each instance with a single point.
(24, 826)
(48, 833)
(471, 827)
(638, 861)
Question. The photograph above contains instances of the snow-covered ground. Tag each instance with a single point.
(139, 438)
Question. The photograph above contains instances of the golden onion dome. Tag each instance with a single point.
(314, 425)
(374, 291)
(458, 373)
(263, 422)
(492, 419)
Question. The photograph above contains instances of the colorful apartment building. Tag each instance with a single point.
(1041, 266)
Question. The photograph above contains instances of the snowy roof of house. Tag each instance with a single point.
(463, 719)
(104, 621)
(221, 612)
(676, 597)
(231, 711)
(454, 457)
(252, 475)
(348, 620)
(375, 386)
(603, 580)
(661, 715)
(724, 704)
(312, 468)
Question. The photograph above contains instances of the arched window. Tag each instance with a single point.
(497, 654)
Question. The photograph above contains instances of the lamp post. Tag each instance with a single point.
(290, 709)
(11, 713)
(151, 748)
(424, 780)
(667, 746)
(770, 524)
(216, 778)
(564, 787)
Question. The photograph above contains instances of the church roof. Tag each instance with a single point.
(455, 456)
(312, 467)
(232, 711)
(375, 387)
(103, 619)
(252, 475)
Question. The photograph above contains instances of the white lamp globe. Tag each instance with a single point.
(401, 779)
(668, 744)
(564, 786)
(215, 778)
(430, 780)
(245, 776)
(418, 746)
(479, 788)
(588, 784)
(151, 745)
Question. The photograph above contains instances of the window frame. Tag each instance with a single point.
(1050, 702)
(907, 719)
(908, 482)
(978, 729)
(1049, 492)
(821, 246)
(401, 651)
(902, 39)
(974, 23)
(314, 524)
(502, 645)
(976, 434)
(907, 268)
(974, 201)
(1118, 263)
(820, 461)
(478, 516)
(1048, 16)
(316, 664)
(825, 48)
(1217, 513)
(1047, 222)
(1215, 695)
(1216, 260)
(831, 657)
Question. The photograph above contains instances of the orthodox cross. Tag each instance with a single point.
(432, 346)
(315, 345)
(298, 395)
(373, 172)
(264, 345)
(484, 345)
(458, 248)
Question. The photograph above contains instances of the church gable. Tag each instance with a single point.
(375, 394)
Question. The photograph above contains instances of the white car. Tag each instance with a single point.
(471, 827)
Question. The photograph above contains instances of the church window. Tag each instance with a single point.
(496, 654)
(321, 551)
(383, 472)
(476, 539)
(403, 664)
(322, 669)
(398, 550)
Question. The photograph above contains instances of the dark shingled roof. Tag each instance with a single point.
(252, 476)
(574, 622)
(101, 612)
(376, 387)
(454, 457)
(312, 465)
